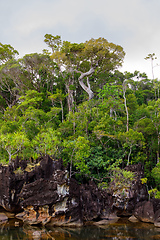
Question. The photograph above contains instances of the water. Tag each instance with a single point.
(123, 229)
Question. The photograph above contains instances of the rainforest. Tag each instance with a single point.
(72, 102)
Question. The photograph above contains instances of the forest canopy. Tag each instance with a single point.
(72, 102)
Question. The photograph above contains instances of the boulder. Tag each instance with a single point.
(133, 219)
(157, 218)
(144, 211)
(148, 211)
(94, 202)
(12, 180)
(125, 198)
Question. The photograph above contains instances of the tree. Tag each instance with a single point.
(14, 143)
(125, 104)
(7, 52)
(130, 139)
(156, 174)
(58, 96)
(46, 142)
(39, 72)
(33, 117)
(9, 74)
(152, 57)
(84, 59)
(111, 97)
(154, 109)
(11, 82)
(77, 150)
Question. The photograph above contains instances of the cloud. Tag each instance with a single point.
(132, 24)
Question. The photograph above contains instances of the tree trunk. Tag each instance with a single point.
(125, 103)
(88, 87)
(70, 98)
(158, 149)
(129, 155)
(111, 112)
(62, 110)
(10, 158)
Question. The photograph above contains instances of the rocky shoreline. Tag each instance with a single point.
(44, 194)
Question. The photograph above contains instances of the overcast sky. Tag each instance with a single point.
(133, 24)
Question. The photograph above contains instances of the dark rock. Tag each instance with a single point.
(46, 193)
(112, 218)
(144, 211)
(156, 204)
(8, 189)
(125, 198)
(85, 202)
(95, 203)
(148, 211)
(138, 169)
(43, 193)
(12, 182)
(133, 219)
(157, 218)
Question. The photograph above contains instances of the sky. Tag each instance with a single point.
(132, 24)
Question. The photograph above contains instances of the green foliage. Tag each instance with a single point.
(110, 91)
(130, 139)
(7, 52)
(157, 195)
(144, 180)
(122, 176)
(53, 42)
(47, 142)
(18, 171)
(121, 179)
(97, 162)
(31, 99)
(154, 193)
(44, 109)
(156, 174)
(14, 144)
(77, 151)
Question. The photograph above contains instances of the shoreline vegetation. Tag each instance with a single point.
(72, 103)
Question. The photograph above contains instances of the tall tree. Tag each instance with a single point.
(7, 52)
(84, 59)
(154, 109)
(9, 74)
(130, 139)
(152, 57)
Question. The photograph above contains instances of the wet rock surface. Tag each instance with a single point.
(144, 211)
(148, 211)
(157, 218)
(44, 194)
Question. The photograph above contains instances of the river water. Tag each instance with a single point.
(123, 229)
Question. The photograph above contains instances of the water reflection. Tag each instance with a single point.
(123, 229)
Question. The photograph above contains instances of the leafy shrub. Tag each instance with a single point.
(156, 174)
(120, 179)
(154, 193)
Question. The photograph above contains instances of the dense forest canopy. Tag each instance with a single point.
(72, 102)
